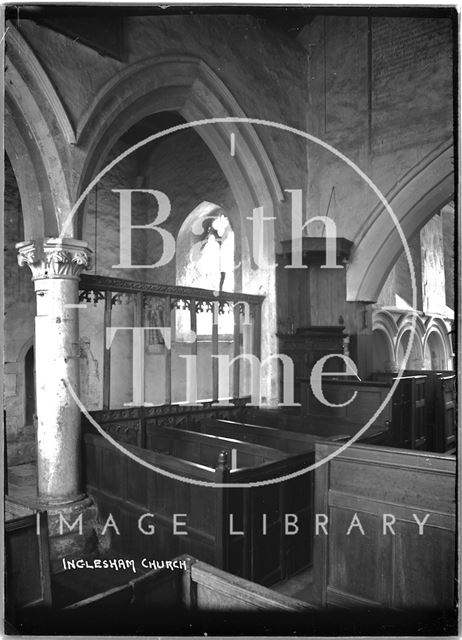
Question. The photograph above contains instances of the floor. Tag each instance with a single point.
(22, 481)
(299, 586)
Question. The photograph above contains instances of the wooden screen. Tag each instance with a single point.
(150, 332)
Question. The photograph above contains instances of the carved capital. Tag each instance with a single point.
(54, 257)
(391, 366)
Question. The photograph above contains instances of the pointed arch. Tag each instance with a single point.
(188, 86)
(417, 196)
(436, 327)
(33, 142)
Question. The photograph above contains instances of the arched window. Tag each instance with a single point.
(205, 259)
(29, 380)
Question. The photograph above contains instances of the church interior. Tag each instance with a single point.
(229, 319)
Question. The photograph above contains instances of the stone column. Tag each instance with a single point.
(56, 265)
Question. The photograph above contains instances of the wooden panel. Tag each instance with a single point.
(428, 567)
(204, 448)
(129, 425)
(308, 344)
(314, 427)
(410, 570)
(218, 590)
(369, 397)
(291, 442)
(419, 431)
(445, 413)
(431, 378)
(199, 587)
(409, 413)
(27, 564)
(128, 490)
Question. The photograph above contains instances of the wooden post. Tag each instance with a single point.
(107, 352)
(168, 352)
(214, 351)
(236, 349)
(257, 330)
(193, 320)
(221, 520)
(189, 587)
(138, 347)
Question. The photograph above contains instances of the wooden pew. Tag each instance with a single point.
(27, 562)
(204, 448)
(431, 380)
(402, 571)
(409, 416)
(198, 587)
(282, 440)
(127, 489)
(341, 422)
(445, 425)
(130, 424)
(369, 397)
(194, 598)
(432, 401)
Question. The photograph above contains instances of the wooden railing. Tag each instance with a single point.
(151, 306)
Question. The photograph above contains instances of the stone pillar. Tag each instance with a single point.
(56, 265)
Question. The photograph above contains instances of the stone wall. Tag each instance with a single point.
(432, 256)
(377, 89)
(380, 91)
(263, 71)
(19, 328)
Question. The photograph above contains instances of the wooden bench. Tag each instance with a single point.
(405, 571)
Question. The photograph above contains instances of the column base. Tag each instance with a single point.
(72, 531)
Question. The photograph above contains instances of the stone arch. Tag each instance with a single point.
(16, 406)
(384, 331)
(415, 199)
(383, 320)
(38, 133)
(435, 356)
(415, 360)
(436, 345)
(187, 85)
(382, 351)
(24, 349)
(33, 189)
